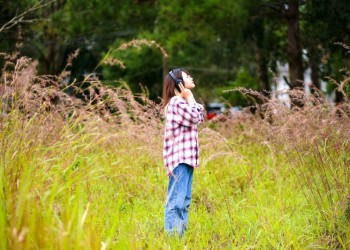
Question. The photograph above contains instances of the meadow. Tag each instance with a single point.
(88, 173)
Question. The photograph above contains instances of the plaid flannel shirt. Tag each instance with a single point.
(181, 133)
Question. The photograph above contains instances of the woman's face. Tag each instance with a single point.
(188, 80)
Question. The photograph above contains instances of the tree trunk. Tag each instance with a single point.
(314, 62)
(339, 97)
(264, 84)
(53, 56)
(296, 72)
(260, 53)
(314, 73)
(50, 62)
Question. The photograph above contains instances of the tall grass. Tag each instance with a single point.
(88, 174)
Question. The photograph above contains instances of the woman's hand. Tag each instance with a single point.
(186, 93)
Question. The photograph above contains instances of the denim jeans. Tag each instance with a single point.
(178, 199)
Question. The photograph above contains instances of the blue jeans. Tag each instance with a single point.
(178, 199)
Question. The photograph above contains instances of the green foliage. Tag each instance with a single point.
(201, 37)
(143, 69)
(243, 79)
(214, 39)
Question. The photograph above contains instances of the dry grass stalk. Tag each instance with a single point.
(102, 110)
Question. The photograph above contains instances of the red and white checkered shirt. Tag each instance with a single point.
(181, 133)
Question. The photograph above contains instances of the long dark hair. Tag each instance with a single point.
(169, 85)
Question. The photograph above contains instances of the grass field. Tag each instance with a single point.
(64, 186)
(88, 180)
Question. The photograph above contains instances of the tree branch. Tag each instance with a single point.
(287, 82)
(20, 18)
(277, 10)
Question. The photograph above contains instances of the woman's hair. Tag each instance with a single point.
(169, 85)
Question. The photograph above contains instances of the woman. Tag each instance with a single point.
(180, 151)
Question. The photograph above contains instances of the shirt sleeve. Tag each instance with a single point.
(188, 114)
(200, 109)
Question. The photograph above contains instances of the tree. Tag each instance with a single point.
(259, 31)
(295, 61)
(214, 39)
(204, 38)
(325, 24)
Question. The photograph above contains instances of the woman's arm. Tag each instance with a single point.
(187, 114)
